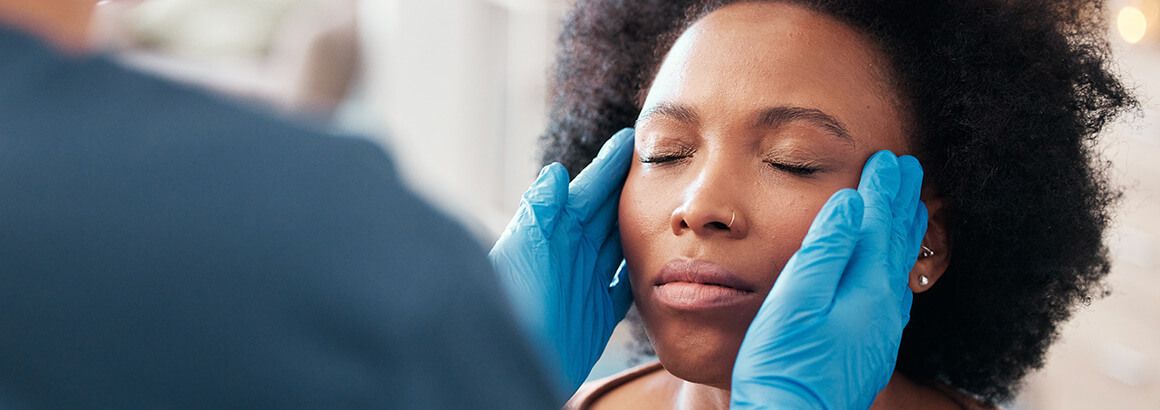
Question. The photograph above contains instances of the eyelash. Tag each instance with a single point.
(661, 159)
(792, 168)
(666, 158)
(796, 169)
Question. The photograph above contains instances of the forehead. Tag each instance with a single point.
(746, 57)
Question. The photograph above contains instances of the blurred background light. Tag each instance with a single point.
(1132, 24)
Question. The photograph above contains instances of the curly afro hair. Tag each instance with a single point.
(1007, 98)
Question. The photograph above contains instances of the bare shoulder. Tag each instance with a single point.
(643, 387)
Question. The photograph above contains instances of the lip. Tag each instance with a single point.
(699, 285)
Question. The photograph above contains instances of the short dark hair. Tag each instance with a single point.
(1007, 99)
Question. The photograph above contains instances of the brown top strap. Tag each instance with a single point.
(592, 391)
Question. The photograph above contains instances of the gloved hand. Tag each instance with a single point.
(559, 256)
(827, 335)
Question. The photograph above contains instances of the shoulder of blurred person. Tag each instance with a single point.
(161, 248)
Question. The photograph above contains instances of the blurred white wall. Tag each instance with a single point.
(455, 88)
(460, 88)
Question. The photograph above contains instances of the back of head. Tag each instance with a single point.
(63, 23)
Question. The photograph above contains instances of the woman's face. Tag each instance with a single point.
(758, 114)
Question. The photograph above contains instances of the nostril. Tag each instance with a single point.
(717, 225)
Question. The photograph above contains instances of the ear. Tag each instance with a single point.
(933, 266)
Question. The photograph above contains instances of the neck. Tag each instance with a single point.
(62, 23)
(700, 396)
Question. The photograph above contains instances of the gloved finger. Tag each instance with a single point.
(879, 186)
(910, 185)
(810, 279)
(909, 188)
(620, 291)
(542, 202)
(907, 302)
(608, 260)
(913, 245)
(603, 222)
(910, 252)
(603, 177)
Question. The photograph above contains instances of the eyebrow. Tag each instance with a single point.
(775, 117)
(672, 110)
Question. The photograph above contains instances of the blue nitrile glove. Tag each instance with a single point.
(559, 256)
(827, 335)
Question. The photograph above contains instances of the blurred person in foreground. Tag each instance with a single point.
(161, 248)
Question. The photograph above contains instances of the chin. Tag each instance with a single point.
(702, 356)
(711, 372)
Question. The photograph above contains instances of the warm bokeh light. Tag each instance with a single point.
(1132, 24)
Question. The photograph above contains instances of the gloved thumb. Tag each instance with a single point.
(812, 274)
(543, 201)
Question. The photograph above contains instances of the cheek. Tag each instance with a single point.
(643, 218)
(784, 214)
(781, 214)
(780, 224)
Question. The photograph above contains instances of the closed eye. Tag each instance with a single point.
(661, 159)
(666, 156)
(796, 169)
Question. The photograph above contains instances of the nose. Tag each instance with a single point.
(711, 206)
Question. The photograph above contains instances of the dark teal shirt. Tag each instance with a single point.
(160, 248)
